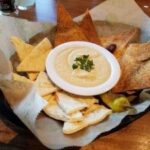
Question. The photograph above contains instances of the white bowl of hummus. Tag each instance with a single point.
(82, 68)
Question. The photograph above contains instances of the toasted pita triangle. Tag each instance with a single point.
(77, 116)
(66, 30)
(88, 29)
(121, 40)
(68, 103)
(89, 101)
(98, 114)
(32, 76)
(53, 110)
(135, 66)
(72, 127)
(23, 50)
(18, 77)
(90, 109)
(35, 61)
(51, 98)
(44, 85)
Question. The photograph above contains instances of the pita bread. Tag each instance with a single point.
(88, 28)
(97, 115)
(32, 75)
(74, 117)
(53, 110)
(135, 66)
(68, 103)
(72, 127)
(35, 61)
(91, 118)
(66, 30)
(44, 85)
(23, 50)
(121, 40)
(18, 77)
(90, 109)
(89, 101)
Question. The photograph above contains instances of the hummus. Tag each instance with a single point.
(98, 75)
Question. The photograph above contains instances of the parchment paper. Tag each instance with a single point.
(122, 11)
(47, 130)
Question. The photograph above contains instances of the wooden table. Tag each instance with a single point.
(134, 136)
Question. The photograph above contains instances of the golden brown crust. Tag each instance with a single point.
(121, 40)
(88, 28)
(135, 66)
(66, 29)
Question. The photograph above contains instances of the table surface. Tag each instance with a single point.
(134, 136)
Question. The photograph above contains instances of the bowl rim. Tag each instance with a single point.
(83, 91)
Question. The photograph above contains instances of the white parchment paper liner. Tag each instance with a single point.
(122, 11)
(47, 130)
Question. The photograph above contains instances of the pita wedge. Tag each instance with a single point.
(44, 85)
(72, 127)
(32, 76)
(117, 33)
(90, 109)
(23, 50)
(121, 40)
(93, 117)
(74, 117)
(66, 30)
(89, 101)
(135, 66)
(97, 115)
(53, 110)
(35, 61)
(18, 77)
(88, 28)
(68, 103)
